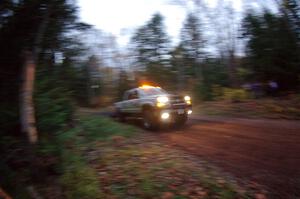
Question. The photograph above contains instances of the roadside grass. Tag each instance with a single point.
(77, 178)
(100, 158)
(141, 167)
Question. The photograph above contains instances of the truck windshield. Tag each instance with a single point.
(152, 91)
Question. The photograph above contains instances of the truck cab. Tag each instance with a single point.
(154, 106)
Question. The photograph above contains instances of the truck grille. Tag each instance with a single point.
(178, 106)
(177, 102)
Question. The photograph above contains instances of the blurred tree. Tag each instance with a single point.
(42, 33)
(151, 43)
(226, 27)
(223, 24)
(152, 47)
(7, 8)
(179, 68)
(94, 84)
(216, 75)
(123, 84)
(291, 11)
(192, 44)
(272, 50)
(42, 28)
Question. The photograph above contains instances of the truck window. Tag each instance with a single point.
(133, 95)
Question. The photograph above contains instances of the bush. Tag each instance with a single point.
(217, 92)
(203, 92)
(54, 106)
(101, 128)
(79, 179)
(235, 95)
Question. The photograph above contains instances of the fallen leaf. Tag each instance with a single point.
(167, 195)
(118, 140)
(260, 196)
(202, 193)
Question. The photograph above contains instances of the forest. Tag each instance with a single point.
(221, 54)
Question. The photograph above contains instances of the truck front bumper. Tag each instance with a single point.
(169, 115)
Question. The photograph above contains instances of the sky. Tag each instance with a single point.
(122, 17)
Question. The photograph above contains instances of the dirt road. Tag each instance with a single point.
(262, 151)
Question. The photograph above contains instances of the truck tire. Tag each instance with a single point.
(150, 121)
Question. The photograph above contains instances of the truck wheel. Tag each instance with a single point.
(181, 120)
(149, 120)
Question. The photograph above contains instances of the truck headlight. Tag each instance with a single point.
(165, 116)
(187, 99)
(162, 101)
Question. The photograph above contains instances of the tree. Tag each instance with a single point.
(192, 44)
(151, 47)
(179, 67)
(123, 84)
(272, 50)
(151, 43)
(222, 27)
(42, 34)
(291, 11)
(226, 26)
(94, 81)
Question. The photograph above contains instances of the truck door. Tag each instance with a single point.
(125, 103)
(133, 102)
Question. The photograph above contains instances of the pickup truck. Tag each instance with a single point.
(154, 106)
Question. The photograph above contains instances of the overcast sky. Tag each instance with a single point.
(122, 17)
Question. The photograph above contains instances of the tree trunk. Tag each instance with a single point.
(180, 75)
(232, 69)
(27, 113)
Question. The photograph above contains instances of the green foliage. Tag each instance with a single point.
(80, 182)
(273, 53)
(235, 95)
(203, 92)
(54, 87)
(215, 75)
(147, 186)
(217, 91)
(78, 179)
(54, 107)
(291, 10)
(99, 128)
(21, 30)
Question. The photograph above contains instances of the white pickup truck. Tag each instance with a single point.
(154, 106)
